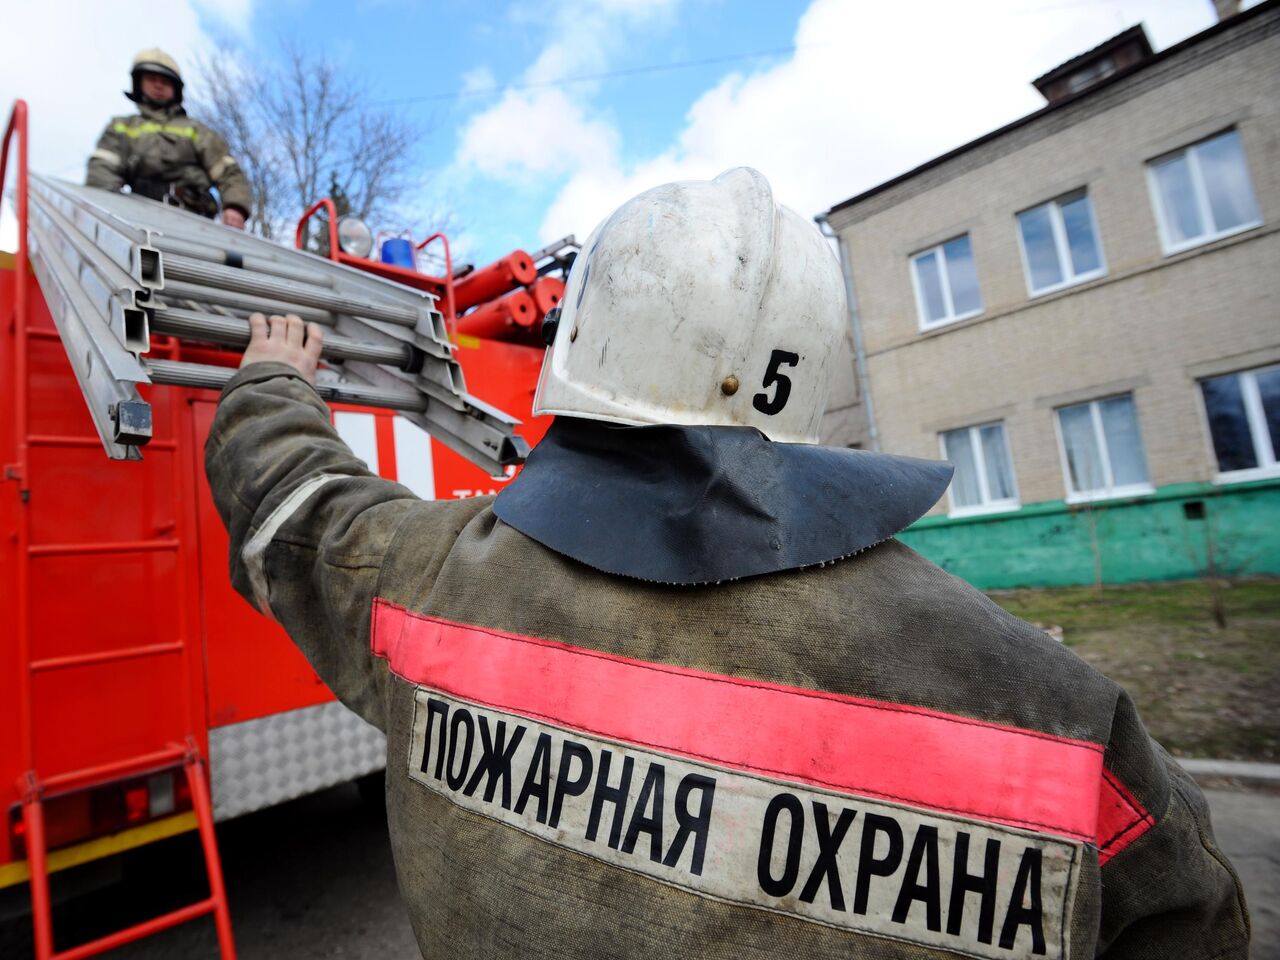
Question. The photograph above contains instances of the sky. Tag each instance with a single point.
(542, 116)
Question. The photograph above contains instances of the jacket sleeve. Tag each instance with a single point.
(224, 171)
(310, 526)
(109, 160)
(1170, 892)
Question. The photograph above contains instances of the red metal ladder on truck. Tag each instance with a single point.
(33, 786)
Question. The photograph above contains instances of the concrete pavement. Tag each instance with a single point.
(1247, 826)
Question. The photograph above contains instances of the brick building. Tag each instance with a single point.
(1080, 311)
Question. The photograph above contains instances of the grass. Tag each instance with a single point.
(1203, 690)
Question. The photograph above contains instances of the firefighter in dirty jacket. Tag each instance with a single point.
(677, 691)
(163, 154)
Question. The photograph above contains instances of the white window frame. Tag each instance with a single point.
(945, 278)
(1262, 447)
(988, 505)
(1201, 198)
(1061, 244)
(1110, 491)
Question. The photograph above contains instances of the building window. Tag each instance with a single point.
(983, 481)
(1060, 243)
(1203, 192)
(946, 283)
(1244, 421)
(1102, 450)
(1098, 70)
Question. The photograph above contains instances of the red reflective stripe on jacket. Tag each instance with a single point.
(1121, 819)
(922, 757)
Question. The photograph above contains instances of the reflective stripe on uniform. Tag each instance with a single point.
(1001, 774)
(135, 130)
(221, 167)
(254, 553)
(111, 159)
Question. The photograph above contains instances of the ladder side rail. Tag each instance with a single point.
(108, 385)
(438, 374)
(48, 254)
(117, 295)
(130, 247)
(377, 331)
(471, 428)
(16, 135)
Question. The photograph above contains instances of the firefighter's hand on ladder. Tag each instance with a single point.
(285, 340)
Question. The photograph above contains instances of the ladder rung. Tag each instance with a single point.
(138, 931)
(118, 768)
(118, 546)
(206, 376)
(279, 288)
(234, 332)
(106, 656)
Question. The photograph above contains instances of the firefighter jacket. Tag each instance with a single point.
(163, 152)
(864, 759)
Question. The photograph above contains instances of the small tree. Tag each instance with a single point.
(341, 207)
(287, 125)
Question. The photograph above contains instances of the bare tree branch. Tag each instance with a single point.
(301, 126)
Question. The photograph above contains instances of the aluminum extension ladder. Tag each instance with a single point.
(115, 268)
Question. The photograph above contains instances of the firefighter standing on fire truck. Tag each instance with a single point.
(163, 154)
(677, 691)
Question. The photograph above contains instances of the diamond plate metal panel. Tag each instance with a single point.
(266, 761)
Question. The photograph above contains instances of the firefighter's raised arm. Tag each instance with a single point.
(309, 523)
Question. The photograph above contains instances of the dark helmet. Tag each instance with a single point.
(157, 61)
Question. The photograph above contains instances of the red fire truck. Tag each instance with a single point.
(140, 697)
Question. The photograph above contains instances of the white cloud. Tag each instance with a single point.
(69, 59)
(872, 90)
(588, 34)
(229, 13)
(479, 80)
(535, 133)
(538, 131)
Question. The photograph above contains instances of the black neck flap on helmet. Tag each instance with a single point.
(697, 505)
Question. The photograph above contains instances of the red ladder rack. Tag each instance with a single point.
(31, 786)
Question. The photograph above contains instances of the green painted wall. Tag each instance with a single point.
(1119, 541)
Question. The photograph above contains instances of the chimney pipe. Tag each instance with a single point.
(1225, 9)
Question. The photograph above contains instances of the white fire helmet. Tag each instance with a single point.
(699, 302)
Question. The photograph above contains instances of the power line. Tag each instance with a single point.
(591, 77)
(684, 64)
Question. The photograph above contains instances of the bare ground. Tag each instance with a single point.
(1203, 690)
